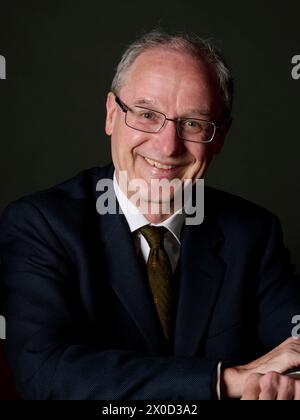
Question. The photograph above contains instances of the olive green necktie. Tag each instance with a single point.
(160, 275)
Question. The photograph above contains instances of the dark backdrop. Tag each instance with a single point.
(60, 61)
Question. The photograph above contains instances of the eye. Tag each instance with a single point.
(148, 115)
(192, 125)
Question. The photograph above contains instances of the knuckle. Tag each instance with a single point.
(253, 378)
(272, 375)
(269, 378)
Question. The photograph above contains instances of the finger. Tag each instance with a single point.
(269, 384)
(286, 389)
(268, 394)
(297, 390)
(251, 389)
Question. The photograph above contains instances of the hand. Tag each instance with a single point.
(280, 359)
(271, 386)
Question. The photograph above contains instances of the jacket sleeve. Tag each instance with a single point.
(277, 290)
(51, 354)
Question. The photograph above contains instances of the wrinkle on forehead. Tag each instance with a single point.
(171, 82)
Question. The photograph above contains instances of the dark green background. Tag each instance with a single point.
(60, 61)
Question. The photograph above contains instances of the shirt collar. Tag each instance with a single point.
(136, 219)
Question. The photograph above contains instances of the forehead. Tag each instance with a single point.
(164, 76)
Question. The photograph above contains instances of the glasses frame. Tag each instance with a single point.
(125, 108)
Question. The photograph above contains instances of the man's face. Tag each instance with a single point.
(178, 86)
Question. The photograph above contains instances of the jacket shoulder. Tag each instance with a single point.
(237, 213)
(81, 187)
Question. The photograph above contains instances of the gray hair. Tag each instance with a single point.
(199, 48)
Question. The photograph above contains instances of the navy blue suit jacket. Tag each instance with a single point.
(80, 320)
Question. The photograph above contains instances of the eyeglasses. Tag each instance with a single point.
(150, 121)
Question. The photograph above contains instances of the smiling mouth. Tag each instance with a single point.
(159, 165)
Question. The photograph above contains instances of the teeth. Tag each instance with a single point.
(159, 165)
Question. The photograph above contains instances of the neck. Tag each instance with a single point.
(157, 218)
(155, 212)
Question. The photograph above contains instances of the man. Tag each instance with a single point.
(100, 306)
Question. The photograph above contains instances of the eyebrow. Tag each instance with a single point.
(193, 112)
(144, 102)
(197, 111)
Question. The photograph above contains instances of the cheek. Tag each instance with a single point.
(201, 155)
(132, 142)
(198, 153)
(202, 152)
(124, 144)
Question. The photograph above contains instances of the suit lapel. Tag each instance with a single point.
(127, 277)
(201, 274)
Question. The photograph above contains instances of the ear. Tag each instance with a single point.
(222, 133)
(111, 110)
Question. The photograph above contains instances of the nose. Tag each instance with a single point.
(167, 140)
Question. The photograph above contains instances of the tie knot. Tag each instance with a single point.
(154, 235)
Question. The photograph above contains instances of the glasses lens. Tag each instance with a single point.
(196, 130)
(145, 119)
